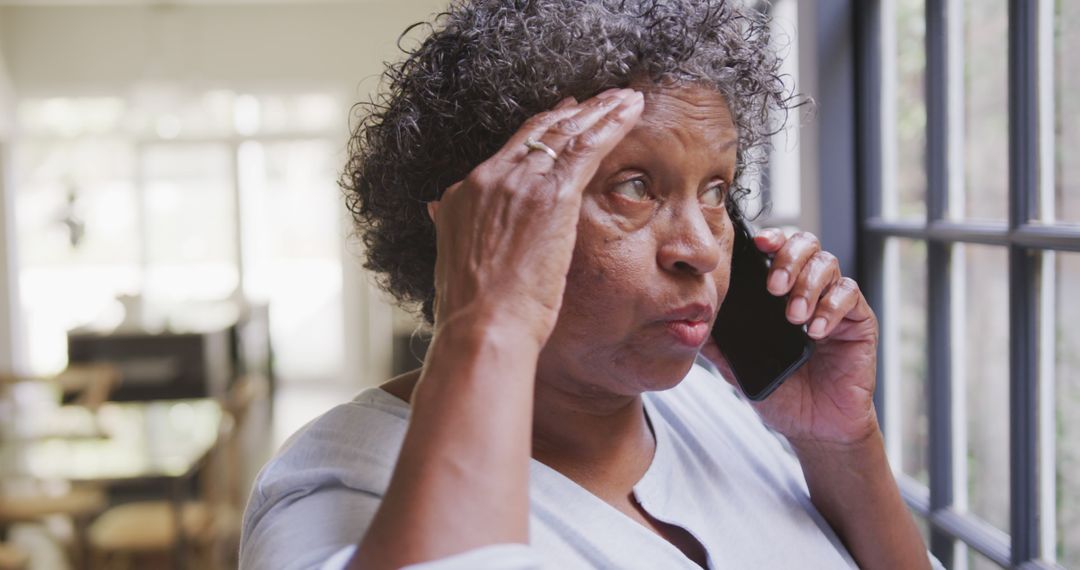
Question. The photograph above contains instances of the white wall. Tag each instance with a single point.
(109, 48)
(115, 48)
(10, 349)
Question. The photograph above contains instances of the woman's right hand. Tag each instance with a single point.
(505, 234)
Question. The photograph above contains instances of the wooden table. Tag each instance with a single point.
(165, 440)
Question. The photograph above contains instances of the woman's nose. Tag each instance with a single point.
(688, 244)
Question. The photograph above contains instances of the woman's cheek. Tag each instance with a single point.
(618, 214)
(722, 274)
(608, 267)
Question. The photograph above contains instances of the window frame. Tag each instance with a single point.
(1023, 239)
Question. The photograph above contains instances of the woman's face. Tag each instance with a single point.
(653, 251)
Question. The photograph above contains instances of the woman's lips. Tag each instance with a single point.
(690, 333)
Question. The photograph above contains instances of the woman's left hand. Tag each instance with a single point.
(829, 400)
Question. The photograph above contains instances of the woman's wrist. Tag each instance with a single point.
(492, 324)
(855, 443)
(475, 349)
(853, 487)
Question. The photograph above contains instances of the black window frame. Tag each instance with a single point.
(1022, 238)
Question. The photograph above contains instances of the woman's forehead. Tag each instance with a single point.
(697, 112)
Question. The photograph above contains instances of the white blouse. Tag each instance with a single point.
(717, 472)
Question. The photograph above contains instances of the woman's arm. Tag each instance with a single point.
(461, 480)
(826, 408)
(505, 238)
(854, 489)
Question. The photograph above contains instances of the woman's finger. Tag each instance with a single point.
(838, 302)
(510, 154)
(559, 135)
(789, 260)
(770, 240)
(582, 154)
(566, 103)
(538, 124)
(820, 272)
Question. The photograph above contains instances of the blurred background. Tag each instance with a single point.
(180, 289)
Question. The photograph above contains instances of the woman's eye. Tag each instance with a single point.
(714, 196)
(633, 189)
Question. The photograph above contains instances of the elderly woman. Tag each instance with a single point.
(555, 183)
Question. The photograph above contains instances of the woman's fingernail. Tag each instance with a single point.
(566, 102)
(817, 328)
(798, 308)
(779, 280)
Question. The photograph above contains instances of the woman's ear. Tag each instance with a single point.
(432, 208)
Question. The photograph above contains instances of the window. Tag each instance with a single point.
(970, 237)
(183, 201)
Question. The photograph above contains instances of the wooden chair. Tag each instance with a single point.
(33, 504)
(211, 525)
(88, 385)
(12, 557)
(30, 501)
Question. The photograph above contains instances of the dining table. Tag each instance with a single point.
(164, 441)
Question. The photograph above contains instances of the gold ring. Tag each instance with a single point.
(533, 144)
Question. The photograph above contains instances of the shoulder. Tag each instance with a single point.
(353, 446)
(321, 490)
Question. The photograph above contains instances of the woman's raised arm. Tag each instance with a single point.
(505, 240)
(826, 409)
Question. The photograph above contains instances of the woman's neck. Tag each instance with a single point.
(601, 441)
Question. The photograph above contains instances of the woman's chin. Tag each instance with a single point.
(663, 372)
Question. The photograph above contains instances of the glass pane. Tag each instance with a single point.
(1067, 81)
(1067, 397)
(68, 117)
(309, 112)
(923, 526)
(292, 246)
(906, 363)
(977, 561)
(905, 195)
(781, 178)
(168, 113)
(983, 371)
(190, 227)
(986, 113)
(77, 240)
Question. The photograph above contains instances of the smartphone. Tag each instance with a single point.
(762, 347)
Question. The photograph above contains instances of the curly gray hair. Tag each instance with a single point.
(487, 65)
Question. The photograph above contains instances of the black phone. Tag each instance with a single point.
(762, 347)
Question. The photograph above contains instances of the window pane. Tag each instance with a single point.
(986, 126)
(68, 117)
(977, 561)
(782, 175)
(982, 369)
(923, 526)
(77, 239)
(190, 226)
(906, 364)
(1067, 397)
(1067, 80)
(292, 236)
(312, 112)
(905, 167)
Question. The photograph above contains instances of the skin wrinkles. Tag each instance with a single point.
(631, 252)
(607, 340)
